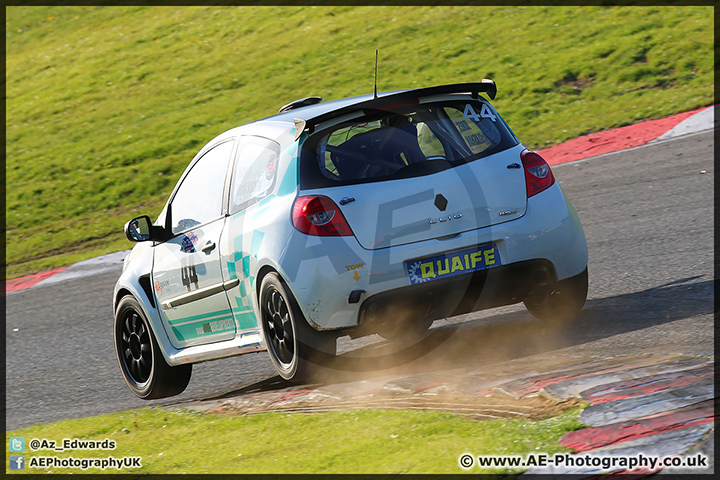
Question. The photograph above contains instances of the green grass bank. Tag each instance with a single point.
(106, 105)
(363, 441)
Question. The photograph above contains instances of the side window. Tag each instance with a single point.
(255, 171)
(199, 198)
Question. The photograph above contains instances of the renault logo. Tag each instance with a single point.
(441, 202)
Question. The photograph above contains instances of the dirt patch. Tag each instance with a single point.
(486, 407)
(573, 82)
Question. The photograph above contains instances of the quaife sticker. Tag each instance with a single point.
(454, 263)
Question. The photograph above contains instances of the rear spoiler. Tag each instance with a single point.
(386, 101)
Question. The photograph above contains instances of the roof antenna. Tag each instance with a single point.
(375, 89)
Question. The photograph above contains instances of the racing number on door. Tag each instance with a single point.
(188, 274)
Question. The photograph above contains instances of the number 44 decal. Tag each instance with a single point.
(485, 112)
(188, 274)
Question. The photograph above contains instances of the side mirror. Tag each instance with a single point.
(141, 229)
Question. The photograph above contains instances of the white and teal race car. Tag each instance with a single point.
(373, 214)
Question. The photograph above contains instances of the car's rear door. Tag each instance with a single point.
(253, 179)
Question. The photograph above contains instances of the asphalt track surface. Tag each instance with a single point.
(648, 217)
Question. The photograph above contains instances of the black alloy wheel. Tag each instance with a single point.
(298, 351)
(278, 324)
(136, 347)
(143, 366)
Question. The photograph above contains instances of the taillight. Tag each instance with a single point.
(538, 175)
(318, 215)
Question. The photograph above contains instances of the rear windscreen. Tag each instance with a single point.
(408, 142)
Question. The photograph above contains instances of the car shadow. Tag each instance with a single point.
(508, 336)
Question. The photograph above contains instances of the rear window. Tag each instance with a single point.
(408, 142)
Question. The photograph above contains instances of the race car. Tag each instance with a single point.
(374, 214)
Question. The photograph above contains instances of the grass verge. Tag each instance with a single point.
(364, 441)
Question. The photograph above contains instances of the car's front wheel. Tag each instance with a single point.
(145, 370)
(559, 300)
(297, 351)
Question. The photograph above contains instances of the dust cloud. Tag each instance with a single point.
(461, 343)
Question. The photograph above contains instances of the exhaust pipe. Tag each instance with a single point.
(541, 277)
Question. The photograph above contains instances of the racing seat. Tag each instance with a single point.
(377, 153)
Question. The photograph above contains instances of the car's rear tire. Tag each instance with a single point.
(144, 369)
(297, 351)
(559, 300)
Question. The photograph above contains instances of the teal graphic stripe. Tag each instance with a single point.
(245, 288)
(197, 318)
(265, 202)
(201, 329)
(289, 181)
(256, 242)
(231, 270)
(246, 319)
(261, 210)
(238, 248)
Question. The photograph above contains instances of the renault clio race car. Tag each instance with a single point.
(374, 214)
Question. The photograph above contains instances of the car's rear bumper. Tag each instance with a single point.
(548, 234)
(494, 287)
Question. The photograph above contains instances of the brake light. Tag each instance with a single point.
(538, 176)
(318, 215)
